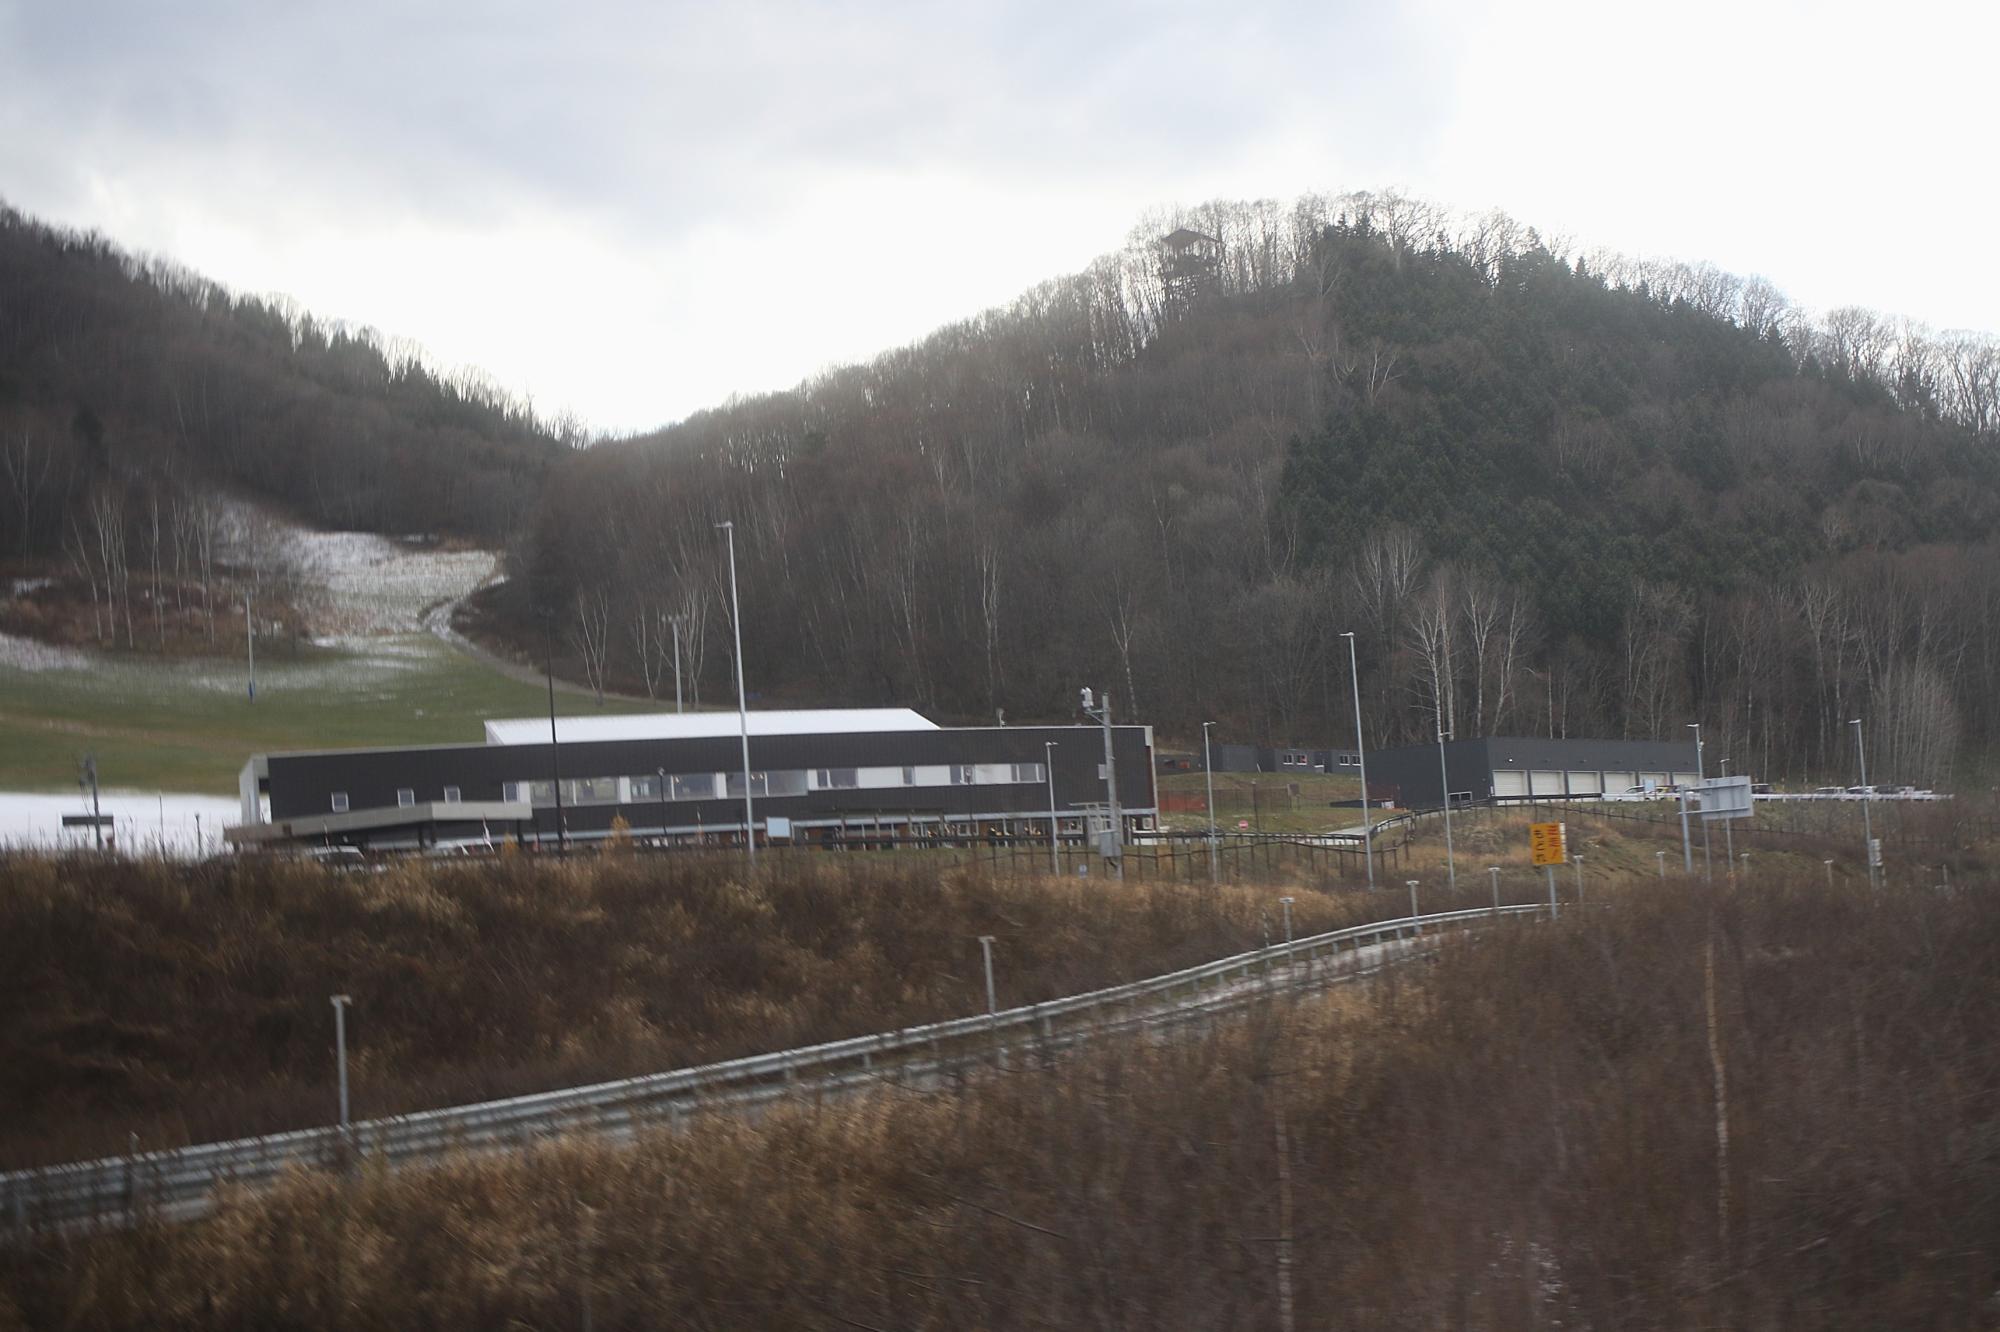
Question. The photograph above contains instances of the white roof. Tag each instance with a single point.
(702, 725)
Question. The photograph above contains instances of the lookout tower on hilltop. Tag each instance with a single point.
(1189, 262)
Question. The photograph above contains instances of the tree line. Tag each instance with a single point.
(1548, 491)
(130, 386)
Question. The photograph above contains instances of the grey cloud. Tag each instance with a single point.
(658, 118)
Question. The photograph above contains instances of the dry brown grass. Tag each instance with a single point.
(191, 1004)
(1522, 1137)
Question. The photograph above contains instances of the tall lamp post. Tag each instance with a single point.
(1867, 801)
(1444, 782)
(1701, 775)
(1117, 844)
(1729, 832)
(1361, 758)
(1049, 770)
(742, 699)
(555, 742)
(1208, 773)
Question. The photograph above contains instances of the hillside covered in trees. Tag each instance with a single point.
(132, 390)
(1547, 491)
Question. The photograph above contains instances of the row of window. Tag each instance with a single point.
(406, 796)
(656, 786)
(1300, 758)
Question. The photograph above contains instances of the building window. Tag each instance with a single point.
(1029, 772)
(839, 779)
(451, 795)
(405, 797)
(909, 776)
(693, 786)
(340, 802)
(962, 774)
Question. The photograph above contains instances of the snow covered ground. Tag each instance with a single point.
(25, 654)
(372, 586)
(144, 822)
(365, 595)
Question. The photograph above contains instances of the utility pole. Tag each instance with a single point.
(1208, 771)
(662, 774)
(1361, 758)
(1117, 844)
(742, 698)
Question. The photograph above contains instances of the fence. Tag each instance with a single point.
(180, 1183)
(1832, 826)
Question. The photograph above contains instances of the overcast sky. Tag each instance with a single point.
(636, 210)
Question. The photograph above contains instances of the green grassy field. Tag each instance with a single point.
(1273, 808)
(188, 726)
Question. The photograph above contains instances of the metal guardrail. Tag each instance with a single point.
(180, 1182)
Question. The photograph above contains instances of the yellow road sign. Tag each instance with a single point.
(1547, 844)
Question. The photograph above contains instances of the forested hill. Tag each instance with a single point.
(127, 379)
(1549, 492)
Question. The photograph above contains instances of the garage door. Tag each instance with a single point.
(1618, 783)
(1653, 779)
(1685, 779)
(1586, 783)
(1544, 783)
(1509, 782)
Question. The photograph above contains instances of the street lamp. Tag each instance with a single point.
(1117, 845)
(728, 530)
(1208, 773)
(1361, 759)
(1049, 770)
(1867, 800)
(1729, 833)
(1444, 781)
(662, 772)
(1701, 775)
